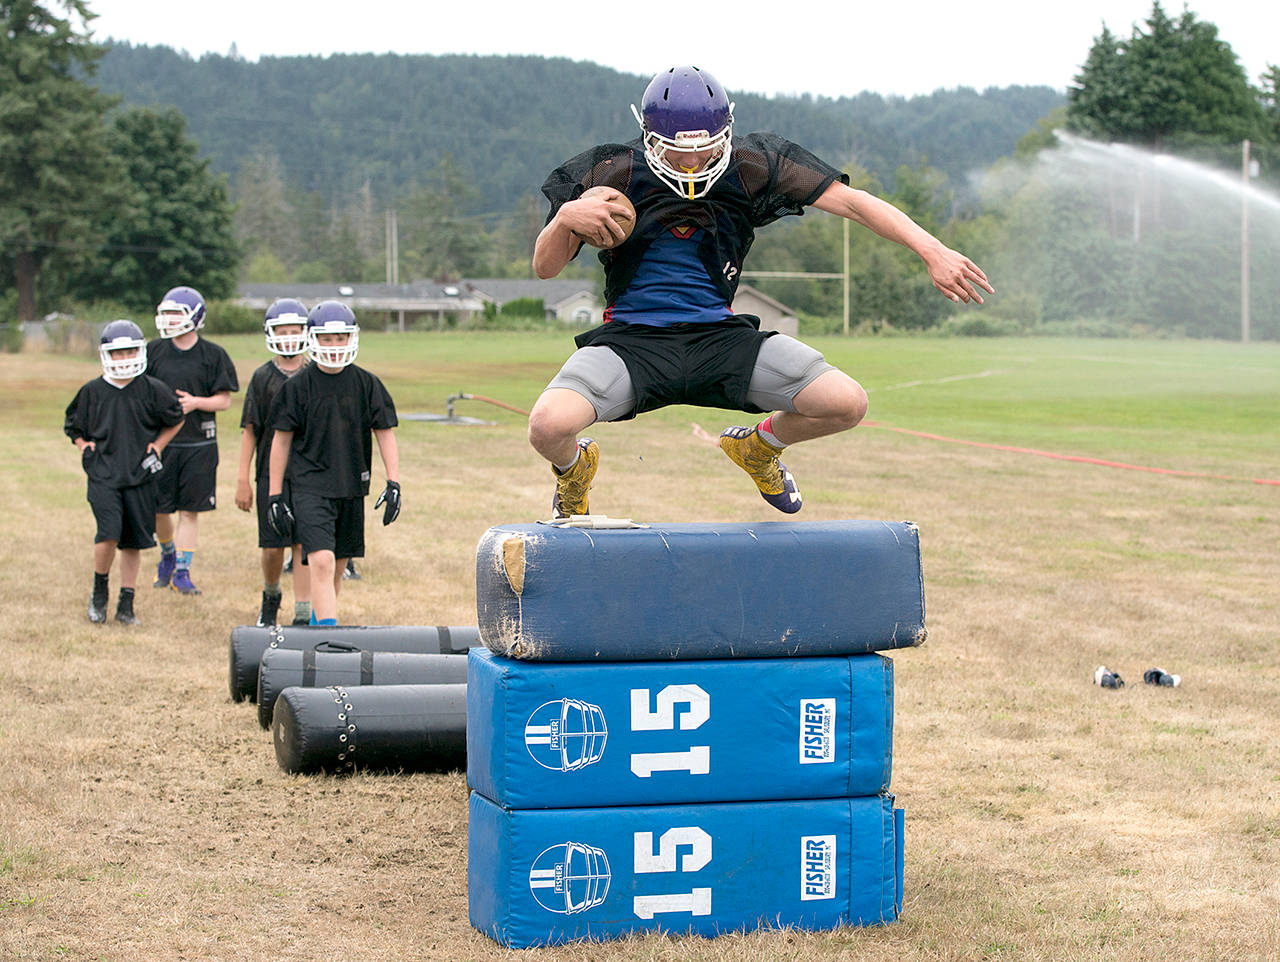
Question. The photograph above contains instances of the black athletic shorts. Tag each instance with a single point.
(267, 537)
(709, 365)
(188, 479)
(124, 515)
(328, 524)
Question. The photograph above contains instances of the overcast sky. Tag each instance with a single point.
(905, 47)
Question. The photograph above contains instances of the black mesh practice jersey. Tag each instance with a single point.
(768, 177)
(331, 417)
(259, 410)
(121, 422)
(203, 370)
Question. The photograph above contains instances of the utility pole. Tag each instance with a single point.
(845, 221)
(392, 247)
(1244, 245)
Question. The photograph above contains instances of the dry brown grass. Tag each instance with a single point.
(143, 816)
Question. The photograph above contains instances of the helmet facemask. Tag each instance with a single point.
(287, 344)
(122, 336)
(181, 311)
(662, 154)
(333, 355)
(686, 122)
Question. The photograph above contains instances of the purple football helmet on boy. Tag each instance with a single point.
(332, 317)
(685, 111)
(282, 313)
(122, 336)
(181, 310)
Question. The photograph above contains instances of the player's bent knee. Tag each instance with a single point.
(835, 398)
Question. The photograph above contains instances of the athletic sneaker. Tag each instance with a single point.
(572, 485)
(182, 582)
(758, 458)
(164, 570)
(270, 610)
(124, 612)
(349, 573)
(97, 610)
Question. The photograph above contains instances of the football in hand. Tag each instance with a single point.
(626, 221)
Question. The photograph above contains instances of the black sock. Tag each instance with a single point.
(125, 603)
(100, 590)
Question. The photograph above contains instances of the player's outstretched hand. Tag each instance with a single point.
(958, 278)
(280, 517)
(391, 498)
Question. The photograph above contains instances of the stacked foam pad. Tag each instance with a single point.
(685, 727)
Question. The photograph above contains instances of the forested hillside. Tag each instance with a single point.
(339, 122)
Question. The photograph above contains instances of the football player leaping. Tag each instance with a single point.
(669, 335)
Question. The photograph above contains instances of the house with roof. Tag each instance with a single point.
(422, 304)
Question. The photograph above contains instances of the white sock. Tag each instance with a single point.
(562, 468)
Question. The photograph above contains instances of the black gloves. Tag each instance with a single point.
(280, 517)
(151, 463)
(391, 498)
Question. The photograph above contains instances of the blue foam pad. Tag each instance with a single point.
(556, 735)
(551, 876)
(553, 593)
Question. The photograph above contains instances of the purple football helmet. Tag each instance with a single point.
(181, 310)
(332, 317)
(122, 336)
(282, 313)
(685, 111)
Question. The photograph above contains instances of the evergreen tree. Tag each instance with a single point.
(1271, 103)
(177, 228)
(1174, 81)
(56, 173)
(266, 223)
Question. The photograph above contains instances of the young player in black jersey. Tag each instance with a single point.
(204, 377)
(325, 422)
(670, 337)
(121, 422)
(285, 326)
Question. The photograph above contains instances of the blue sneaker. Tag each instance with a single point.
(164, 570)
(182, 582)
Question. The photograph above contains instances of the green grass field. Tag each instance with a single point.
(143, 816)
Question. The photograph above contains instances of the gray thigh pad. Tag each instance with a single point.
(600, 376)
(783, 369)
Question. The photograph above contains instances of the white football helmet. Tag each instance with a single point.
(566, 735)
(570, 877)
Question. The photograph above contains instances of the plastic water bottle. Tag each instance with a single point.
(1107, 678)
(1158, 676)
